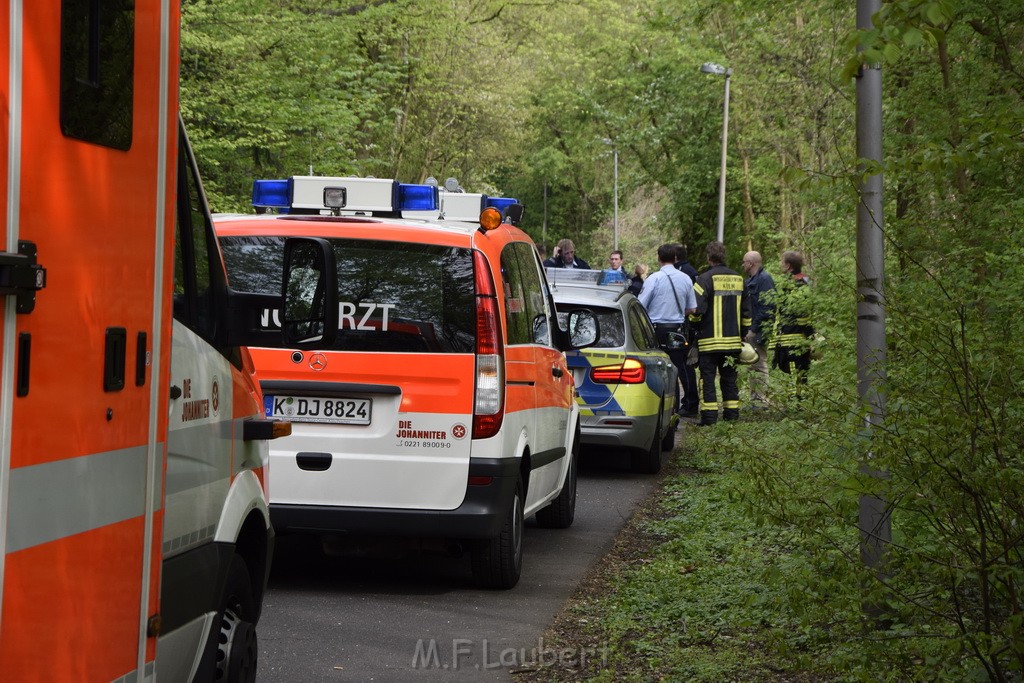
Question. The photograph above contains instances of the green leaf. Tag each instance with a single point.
(913, 37)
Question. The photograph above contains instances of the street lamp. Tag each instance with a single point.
(615, 215)
(719, 70)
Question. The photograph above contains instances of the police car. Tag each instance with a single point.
(626, 385)
(445, 406)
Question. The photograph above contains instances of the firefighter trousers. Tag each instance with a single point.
(724, 366)
(794, 362)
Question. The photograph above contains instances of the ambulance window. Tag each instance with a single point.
(534, 298)
(516, 317)
(193, 293)
(97, 53)
(397, 297)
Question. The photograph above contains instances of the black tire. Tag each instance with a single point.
(649, 461)
(498, 561)
(668, 442)
(237, 647)
(561, 512)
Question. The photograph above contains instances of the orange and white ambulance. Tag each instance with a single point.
(445, 407)
(134, 530)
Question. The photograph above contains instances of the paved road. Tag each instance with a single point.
(397, 613)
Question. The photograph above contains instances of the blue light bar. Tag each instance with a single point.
(271, 194)
(417, 197)
(500, 203)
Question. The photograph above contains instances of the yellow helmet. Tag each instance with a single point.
(748, 356)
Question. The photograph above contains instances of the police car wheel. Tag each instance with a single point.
(562, 510)
(668, 441)
(237, 647)
(498, 561)
(648, 461)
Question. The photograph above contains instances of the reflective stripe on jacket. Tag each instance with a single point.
(722, 317)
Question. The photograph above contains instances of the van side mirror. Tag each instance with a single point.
(583, 328)
(514, 214)
(309, 293)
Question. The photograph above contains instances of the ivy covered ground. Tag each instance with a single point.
(704, 585)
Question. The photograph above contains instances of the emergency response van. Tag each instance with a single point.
(134, 530)
(445, 407)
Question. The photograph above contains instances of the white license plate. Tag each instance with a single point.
(348, 411)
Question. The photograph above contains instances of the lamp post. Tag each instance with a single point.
(544, 225)
(615, 214)
(719, 70)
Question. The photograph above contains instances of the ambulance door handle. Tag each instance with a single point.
(141, 359)
(557, 371)
(175, 392)
(24, 362)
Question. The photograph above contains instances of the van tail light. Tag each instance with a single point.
(489, 399)
(631, 371)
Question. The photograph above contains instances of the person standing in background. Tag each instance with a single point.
(615, 263)
(565, 257)
(760, 294)
(688, 373)
(683, 262)
(722, 319)
(668, 298)
(793, 322)
(614, 273)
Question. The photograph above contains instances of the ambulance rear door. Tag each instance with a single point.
(86, 145)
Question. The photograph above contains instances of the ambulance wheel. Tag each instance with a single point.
(649, 461)
(237, 649)
(562, 510)
(498, 561)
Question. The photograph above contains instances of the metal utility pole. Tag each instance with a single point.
(544, 225)
(615, 165)
(615, 220)
(718, 69)
(874, 520)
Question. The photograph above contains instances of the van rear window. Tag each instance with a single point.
(393, 296)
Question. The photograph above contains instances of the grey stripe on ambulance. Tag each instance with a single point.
(65, 497)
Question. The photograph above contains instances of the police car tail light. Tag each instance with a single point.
(631, 371)
(489, 399)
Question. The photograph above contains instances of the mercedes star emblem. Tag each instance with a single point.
(318, 362)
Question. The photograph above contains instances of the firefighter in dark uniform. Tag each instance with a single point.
(793, 323)
(721, 320)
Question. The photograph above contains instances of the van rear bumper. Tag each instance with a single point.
(479, 516)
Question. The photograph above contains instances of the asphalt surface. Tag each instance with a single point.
(397, 611)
